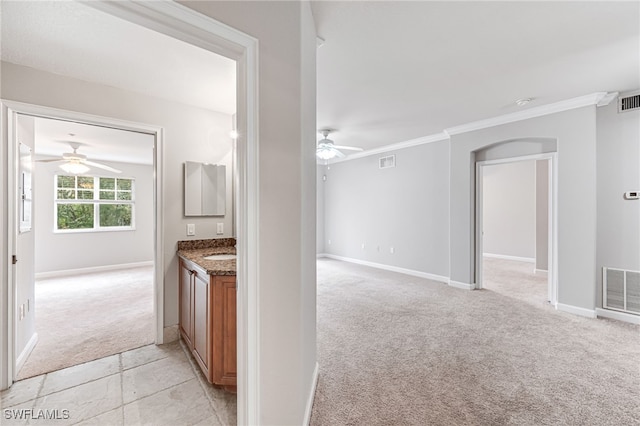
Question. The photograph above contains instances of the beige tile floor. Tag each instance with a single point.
(152, 385)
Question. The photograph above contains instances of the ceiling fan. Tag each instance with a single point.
(327, 149)
(77, 163)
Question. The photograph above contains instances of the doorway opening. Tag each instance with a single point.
(90, 245)
(516, 228)
(23, 335)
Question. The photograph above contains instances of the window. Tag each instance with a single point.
(91, 203)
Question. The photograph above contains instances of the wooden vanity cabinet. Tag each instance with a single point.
(208, 321)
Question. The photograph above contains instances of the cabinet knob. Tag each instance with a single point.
(191, 272)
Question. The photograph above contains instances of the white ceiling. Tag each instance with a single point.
(388, 72)
(72, 39)
(75, 40)
(52, 138)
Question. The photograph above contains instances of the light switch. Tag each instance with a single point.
(220, 228)
(632, 195)
(191, 229)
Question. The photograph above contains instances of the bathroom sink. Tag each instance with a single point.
(220, 257)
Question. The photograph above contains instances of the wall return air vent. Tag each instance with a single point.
(387, 162)
(629, 103)
(621, 290)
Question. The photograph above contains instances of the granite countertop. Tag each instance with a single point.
(196, 250)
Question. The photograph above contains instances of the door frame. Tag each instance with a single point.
(11, 110)
(185, 24)
(552, 232)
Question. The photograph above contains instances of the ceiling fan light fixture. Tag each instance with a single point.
(74, 168)
(325, 153)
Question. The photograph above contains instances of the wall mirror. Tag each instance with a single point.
(204, 189)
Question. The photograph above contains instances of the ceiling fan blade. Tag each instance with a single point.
(52, 160)
(350, 148)
(338, 153)
(102, 166)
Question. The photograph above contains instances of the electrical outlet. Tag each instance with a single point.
(363, 246)
(191, 229)
(329, 242)
(220, 228)
(392, 250)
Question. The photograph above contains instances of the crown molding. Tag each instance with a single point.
(598, 98)
(579, 102)
(393, 147)
(607, 99)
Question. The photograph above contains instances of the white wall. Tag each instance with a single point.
(320, 208)
(287, 139)
(190, 134)
(55, 251)
(25, 279)
(542, 215)
(509, 209)
(618, 150)
(405, 208)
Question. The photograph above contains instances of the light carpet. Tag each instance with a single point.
(85, 317)
(400, 350)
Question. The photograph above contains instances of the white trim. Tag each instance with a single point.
(607, 99)
(507, 257)
(576, 310)
(22, 358)
(569, 104)
(183, 23)
(509, 160)
(312, 395)
(478, 233)
(461, 285)
(12, 109)
(598, 98)
(442, 136)
(552, 279)
(616, 315)
(540, 271)
(411, 272)
(93, 269)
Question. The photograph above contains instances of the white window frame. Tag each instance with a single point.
(96, 202)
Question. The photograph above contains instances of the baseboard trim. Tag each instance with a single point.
(80, 271)
(506, 257)
(620, 316)
(312, 395)
(540, 271)
(576, 310)
(411, 272)
(461, 285)
(22, 358)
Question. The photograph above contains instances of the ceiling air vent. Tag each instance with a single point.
(387, 162)
(629, 103)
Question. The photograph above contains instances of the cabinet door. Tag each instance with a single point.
(186, 311)
(224, 333)
(201, 321)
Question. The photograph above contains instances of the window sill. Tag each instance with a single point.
(93, 230)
